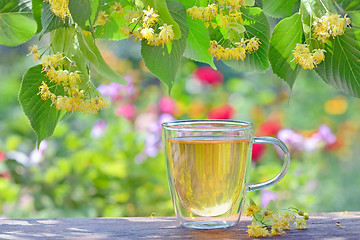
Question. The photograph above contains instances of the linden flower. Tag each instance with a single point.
(45, 91)
(147, 33)
(330, 25)
(35, 52)
(154, 41)
(117, 8)
(253, 45)
(318, 55)
(305, 58)
(50, 61)
(252, 209)
(257, 231)
(166, 34)
(300, 224)
(126, 30)
(210, 12)
(150, 16)
(233, 3)
(59, 7)
(102, 19)
(196, 12)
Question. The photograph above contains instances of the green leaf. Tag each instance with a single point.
(157, 59)
(92, 53)
(198, 42)
(252, 203)
(318, 8)
(95, 8)
(62, 40)
(36, 11)
(190, 3)
(271, 206)
(351, 5)
(50, 21)
(280, 8)
(341, 68)
(43, 117)
(80, 11)
(355, 18)
(16, 22)
(256, 25)
(287, 33)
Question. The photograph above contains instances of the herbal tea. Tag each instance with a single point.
(208, 172)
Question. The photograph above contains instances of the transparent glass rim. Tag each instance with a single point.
(194, 125)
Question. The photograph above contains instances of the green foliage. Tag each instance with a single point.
(91, 52)
(198, 42)
(256, 25)
(36, 10)
(341, 67)
(80, 11)
(279, 9)
(286, 35)
(16, 22)
(43, 118)
(50, 21)
(75, 36)
(167, 62)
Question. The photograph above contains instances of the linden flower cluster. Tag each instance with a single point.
(59, 7)
(150, 31)
(228, 11)
(329, 25)
(235, 53)
(307, 59)
(74, 99)
(276, 220)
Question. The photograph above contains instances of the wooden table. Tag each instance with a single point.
(321, 226)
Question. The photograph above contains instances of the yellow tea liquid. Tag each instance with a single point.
(208, 172)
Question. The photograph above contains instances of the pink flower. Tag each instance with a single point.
(270, 128)
(117, 92)
(2, 156)
(167, 105)
(267, 196)
(225, 111)
(208, 75)
(127, 111)
(99, 128)
(258, 150)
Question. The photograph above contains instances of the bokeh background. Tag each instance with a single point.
(111, 164)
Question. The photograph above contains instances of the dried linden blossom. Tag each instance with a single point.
(274, 222)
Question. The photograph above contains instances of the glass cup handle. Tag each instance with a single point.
(286, 163)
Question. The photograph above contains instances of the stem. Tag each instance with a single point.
(324, 6)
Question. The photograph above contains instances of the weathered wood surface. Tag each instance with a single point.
(321, 226)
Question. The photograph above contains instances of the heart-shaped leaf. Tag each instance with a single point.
(256, 25)
(43, 117)
(280, 8)
(158, 59)
(287, 33)
(16, 22)
(198, 42)
(341, 68)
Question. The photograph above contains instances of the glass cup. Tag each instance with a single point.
(207, 164)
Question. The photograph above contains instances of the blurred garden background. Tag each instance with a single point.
(111, 164)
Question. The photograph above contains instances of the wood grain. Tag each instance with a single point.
(321, 226)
